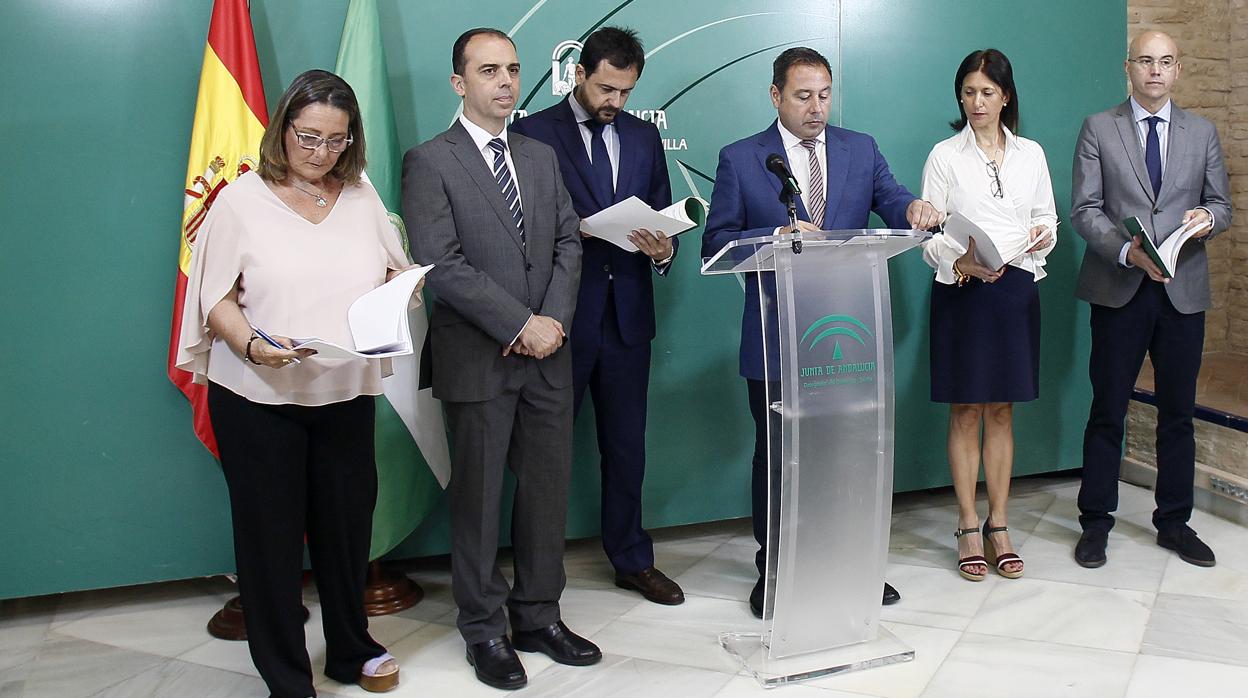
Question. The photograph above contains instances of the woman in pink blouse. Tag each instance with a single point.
(286, 250)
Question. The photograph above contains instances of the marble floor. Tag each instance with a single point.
(1146, 624)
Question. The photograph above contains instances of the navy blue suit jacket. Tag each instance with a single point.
(642, 173)
(745, 204)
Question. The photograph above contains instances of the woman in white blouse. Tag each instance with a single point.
(284, 251)
(985, 322)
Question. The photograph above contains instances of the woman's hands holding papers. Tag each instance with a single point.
(265, 353)
(1041, 236)
(970, 265)
(391, 273)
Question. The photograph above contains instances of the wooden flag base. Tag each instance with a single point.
(227, 624)
(389, 592)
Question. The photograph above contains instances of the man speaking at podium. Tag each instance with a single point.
(843, 178)
(607, 155)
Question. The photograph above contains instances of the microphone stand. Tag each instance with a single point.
(788, 197)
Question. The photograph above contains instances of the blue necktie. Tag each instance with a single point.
(600, 163)
(1152, 154)
(502, 175)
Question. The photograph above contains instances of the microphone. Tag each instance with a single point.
(788, 194)
(775, 165)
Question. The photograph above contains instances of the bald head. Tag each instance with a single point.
(1149, 38)
(1152, 66)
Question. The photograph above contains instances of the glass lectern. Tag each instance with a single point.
(830, 502)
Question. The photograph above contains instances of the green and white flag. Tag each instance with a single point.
(406, 488)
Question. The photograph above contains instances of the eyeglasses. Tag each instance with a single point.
(995, 185)
(1147, 62)
(311, 141)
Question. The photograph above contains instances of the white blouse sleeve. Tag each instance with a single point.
(1043, 208)
(216, 263)
(940, 252)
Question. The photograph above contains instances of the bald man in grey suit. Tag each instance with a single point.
(1149, 159)
(489, 209)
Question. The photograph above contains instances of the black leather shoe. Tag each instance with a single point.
(1090, 550)
(891, 595)
(1190, 548)
(496, 664)
(653, 585)
(558, 643)
(756, 599)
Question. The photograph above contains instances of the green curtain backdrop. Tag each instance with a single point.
(104, 482)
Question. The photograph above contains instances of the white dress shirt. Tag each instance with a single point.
(482, 139)
(609, 136)
(1140, 115)
(799, 162)
(956, 178)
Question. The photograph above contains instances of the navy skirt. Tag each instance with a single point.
(985, 340)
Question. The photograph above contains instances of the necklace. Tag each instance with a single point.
(320, 198)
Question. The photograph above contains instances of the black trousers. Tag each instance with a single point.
(293, 469)
(761, 413)
(618, 378)
(527, 428)
(1120, 337)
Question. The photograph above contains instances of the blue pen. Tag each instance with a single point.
(271, 341)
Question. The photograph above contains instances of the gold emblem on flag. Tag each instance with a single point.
(203, 190)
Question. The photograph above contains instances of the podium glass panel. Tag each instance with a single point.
(830, 499)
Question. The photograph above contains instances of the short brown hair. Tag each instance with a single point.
(313, 87)
(798, 55)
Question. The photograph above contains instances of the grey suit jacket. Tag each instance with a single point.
(485, 282)
(1110, 183)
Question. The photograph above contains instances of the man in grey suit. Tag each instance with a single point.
(491, 212)
(1148, 159)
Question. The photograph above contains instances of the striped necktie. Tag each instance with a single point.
(502, 177)
(815, 194)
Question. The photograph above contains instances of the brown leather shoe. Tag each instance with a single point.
(653, 585)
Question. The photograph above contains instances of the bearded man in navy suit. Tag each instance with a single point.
(844, 179)
(607, 155)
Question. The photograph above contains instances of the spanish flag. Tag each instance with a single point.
(230, 116)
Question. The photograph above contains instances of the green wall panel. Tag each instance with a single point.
(104, 482)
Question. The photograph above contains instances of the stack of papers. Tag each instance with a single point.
(615, 223)
(960, 229)
(378, 320)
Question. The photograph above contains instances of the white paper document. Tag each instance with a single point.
(960, 229)
(615, 223)
(378, 320)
